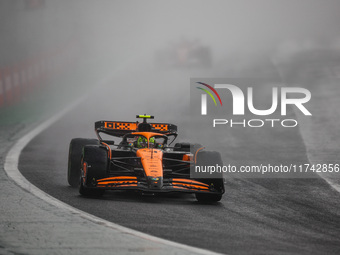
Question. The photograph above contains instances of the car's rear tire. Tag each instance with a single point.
(211, 158)
(95, 159)
(74, 159)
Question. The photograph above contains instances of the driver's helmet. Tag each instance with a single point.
(152, 142)
(142, 142)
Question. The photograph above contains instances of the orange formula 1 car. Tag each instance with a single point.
(141, 161)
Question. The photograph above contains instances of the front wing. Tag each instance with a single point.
(169, 185)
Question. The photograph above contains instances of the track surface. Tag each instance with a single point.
(256, 216)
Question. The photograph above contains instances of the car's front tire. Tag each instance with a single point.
(208, 198)
(211, 158)
(95, 160)
(74, 159)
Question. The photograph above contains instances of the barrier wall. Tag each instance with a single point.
(20, 80)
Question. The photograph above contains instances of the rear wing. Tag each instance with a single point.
(120, 128)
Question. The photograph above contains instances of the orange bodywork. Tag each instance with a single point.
(109, 152)
(189, 184)
(85, 170)
(148, 135)
(121, 181)
(197, 152)
(120, 125)
(188, 157)
(151, 161)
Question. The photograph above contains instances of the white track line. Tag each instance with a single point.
(333, 185)
(330, 182)
(11, 168)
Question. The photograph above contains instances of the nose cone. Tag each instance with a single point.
(155, 182)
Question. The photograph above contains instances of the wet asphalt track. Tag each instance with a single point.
(256, 216)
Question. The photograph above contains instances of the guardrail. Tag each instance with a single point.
(19, 80)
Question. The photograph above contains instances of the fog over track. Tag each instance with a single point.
(257, 216)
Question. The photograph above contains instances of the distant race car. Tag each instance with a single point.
(142, 161)
(184, 54)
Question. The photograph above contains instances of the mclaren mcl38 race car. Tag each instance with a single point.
(143, 160)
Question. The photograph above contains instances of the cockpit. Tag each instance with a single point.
(140, 140)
